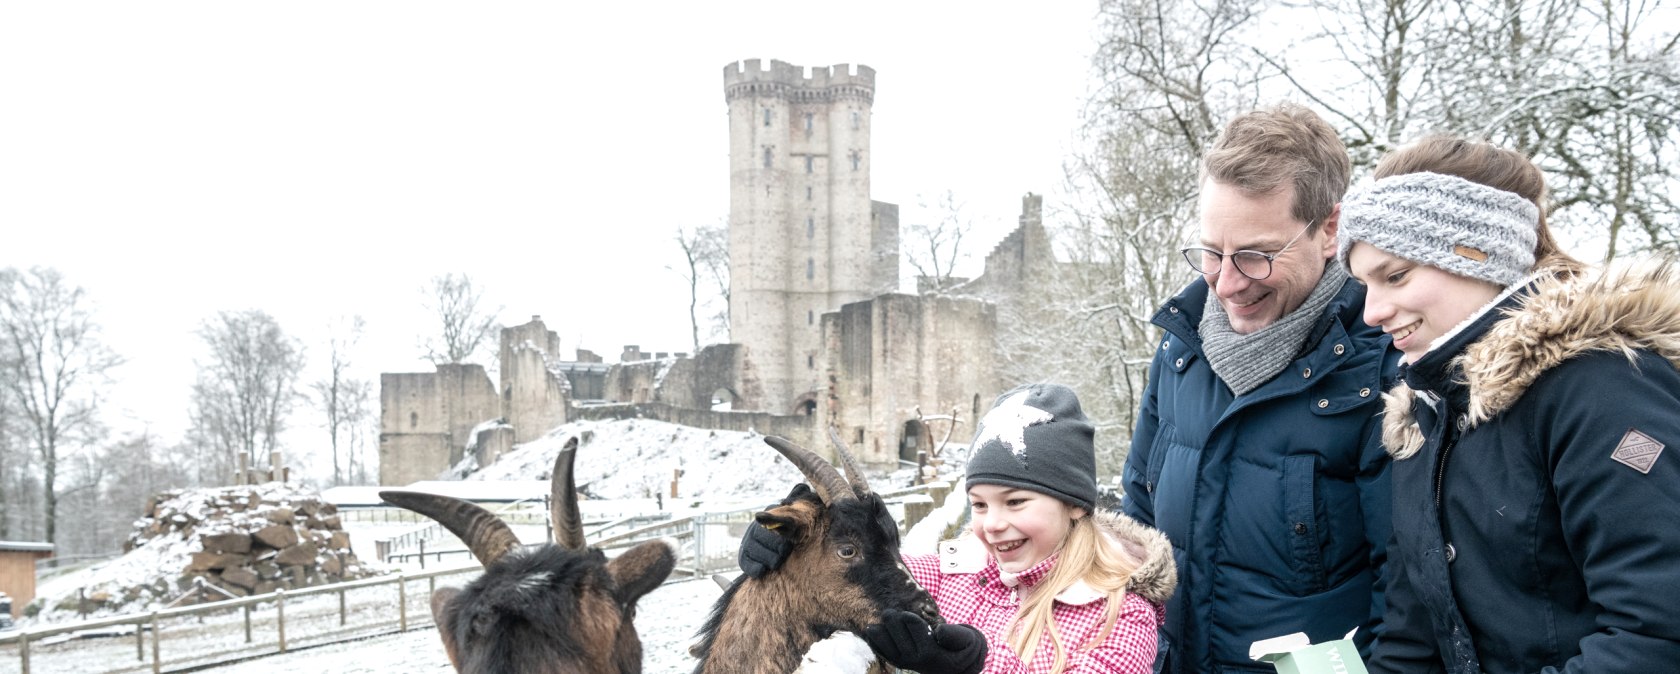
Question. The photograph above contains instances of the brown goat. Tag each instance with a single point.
(548, 609)
(843, 571)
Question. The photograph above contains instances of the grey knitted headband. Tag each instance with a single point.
(1443, 221)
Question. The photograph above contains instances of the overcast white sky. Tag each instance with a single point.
(313, 159)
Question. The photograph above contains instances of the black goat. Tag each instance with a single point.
(843, 571)
(549, 609)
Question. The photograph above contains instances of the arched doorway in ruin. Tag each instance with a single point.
(913, 439)
(723, 400)
(805, 405)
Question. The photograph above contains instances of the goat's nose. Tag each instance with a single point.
(930, 613)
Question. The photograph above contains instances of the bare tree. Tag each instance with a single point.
(1586, 87)
(57, 367)
(83, 477)
(1609, 135)
(706, 269)
(935, 242)
(246, 388)
(465, 326)
(1171, 73)
(7, 450)
(110, 490)
(361, 430)
(341, 396)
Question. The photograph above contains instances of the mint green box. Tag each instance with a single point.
(1294, 654)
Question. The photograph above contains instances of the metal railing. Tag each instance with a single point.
(529, 511)
(386, 550)
(308, 627)
(51, 564)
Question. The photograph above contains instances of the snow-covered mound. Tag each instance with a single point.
(640, 458)
(237, 540)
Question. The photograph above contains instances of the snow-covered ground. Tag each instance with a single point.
(618, 460)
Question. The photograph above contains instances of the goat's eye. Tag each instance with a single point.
(846, 551)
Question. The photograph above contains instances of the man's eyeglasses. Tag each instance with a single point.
(1251, 263)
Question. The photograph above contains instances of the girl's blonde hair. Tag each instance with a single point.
(1086, 555)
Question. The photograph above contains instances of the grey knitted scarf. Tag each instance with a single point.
(1244, 362)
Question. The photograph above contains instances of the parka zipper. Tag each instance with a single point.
(1454, 429)
(1441, 475)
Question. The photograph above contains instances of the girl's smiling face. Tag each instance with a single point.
(1020, 527)
(1414, 303)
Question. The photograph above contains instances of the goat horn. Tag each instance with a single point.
(562, 500)
(827, 481)
(486, 535)
(853, 474)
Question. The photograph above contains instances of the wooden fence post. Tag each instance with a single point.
(402, 602)
(916, 509)
(157, 636)
(699, 525)
(939, 491)
(280, 605)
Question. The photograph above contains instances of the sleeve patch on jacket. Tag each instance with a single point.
(1637, 451)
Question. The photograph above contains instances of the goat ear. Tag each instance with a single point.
(642, 568)
(791, 521)
(446, 628)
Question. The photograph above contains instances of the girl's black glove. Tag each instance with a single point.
(905, 640)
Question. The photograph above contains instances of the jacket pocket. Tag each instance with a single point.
(1300, 515)
(1345, 391)
(1157, 456)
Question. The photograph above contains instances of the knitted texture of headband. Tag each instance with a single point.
(1444, 221)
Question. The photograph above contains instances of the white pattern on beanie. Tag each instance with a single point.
(1007, 423)
(1037, 438)
(1460, 226)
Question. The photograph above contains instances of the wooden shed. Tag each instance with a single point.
(17, 571)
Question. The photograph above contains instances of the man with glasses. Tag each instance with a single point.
(1257, 445)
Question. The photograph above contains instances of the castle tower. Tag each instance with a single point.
(804, 237)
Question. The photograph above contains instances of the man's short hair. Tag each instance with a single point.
(1260, 150)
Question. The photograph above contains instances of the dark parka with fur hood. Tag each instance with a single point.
(1537, 486)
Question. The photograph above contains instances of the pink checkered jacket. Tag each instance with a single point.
(963, 579)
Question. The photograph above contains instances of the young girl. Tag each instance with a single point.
(1041, 583)
(1533, 502)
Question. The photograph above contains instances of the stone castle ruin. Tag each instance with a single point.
(820, 337)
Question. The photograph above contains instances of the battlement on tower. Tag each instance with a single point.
(786, 80)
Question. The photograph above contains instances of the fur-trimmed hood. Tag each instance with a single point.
(1629, 308)
(1157, 576)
